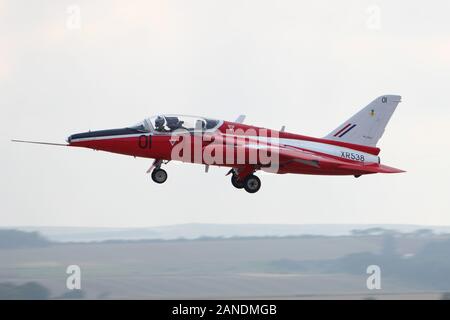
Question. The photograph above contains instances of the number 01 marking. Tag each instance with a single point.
(145, 142)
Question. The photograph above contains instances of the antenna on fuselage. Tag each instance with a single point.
(240, 119)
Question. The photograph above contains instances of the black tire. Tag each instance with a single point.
(159, 176)
(239, 184)
(252, 184)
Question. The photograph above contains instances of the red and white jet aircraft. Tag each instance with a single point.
(350, 149)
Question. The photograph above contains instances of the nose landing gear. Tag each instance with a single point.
(158, 175)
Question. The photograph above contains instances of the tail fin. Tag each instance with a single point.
(367, 126)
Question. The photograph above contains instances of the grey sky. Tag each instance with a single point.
(308, 66)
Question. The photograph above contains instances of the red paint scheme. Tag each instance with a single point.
(291, 160)
(287, 135)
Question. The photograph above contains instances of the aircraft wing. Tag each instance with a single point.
(285, 154)
(288, 155)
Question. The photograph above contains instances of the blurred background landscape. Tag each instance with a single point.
(73, 66)
(197, 261)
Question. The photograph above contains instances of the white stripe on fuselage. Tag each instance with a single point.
(333, 150)
(324, 148)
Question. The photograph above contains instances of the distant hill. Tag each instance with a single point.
(427, 269)
(13, 239)
(194, 231)
(26, 291)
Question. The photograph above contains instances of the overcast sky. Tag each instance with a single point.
(307, 65)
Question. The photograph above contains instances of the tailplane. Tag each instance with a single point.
(367, 126)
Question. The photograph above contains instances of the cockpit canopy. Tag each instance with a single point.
(171, 123)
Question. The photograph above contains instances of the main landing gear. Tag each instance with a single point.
(250, 183)
(158, 175)
(239, 184)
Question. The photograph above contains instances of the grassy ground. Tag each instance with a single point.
(234, 268)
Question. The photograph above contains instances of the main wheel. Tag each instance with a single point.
(237, 183)
(252, 184)
(159, 175)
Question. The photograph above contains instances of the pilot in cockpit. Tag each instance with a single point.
(159, 124)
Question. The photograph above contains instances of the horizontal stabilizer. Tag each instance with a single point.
(373, 168)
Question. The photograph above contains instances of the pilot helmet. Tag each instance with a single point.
(159, 122)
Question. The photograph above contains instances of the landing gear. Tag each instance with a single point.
(245, 180)
(239, 184)
(159, 175)
(252, 183)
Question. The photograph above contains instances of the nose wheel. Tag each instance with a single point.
(159, 175)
